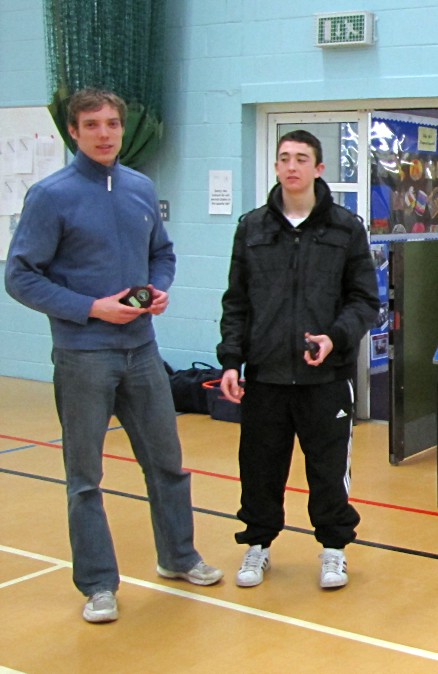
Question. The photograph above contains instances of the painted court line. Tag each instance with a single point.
(221, 476)
(239, 608)
(6, 670)
(216, 513)
(29, 576)
(34, 555)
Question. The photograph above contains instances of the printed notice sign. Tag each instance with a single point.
(220, 193)
(427, 139)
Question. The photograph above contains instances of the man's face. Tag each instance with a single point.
(99, 134)
(296, 167)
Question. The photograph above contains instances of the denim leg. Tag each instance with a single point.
(85, 383)
(144, 406)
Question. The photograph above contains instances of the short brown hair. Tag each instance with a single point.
(94, 99)
(302, 136)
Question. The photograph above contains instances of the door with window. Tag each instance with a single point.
(344, 139)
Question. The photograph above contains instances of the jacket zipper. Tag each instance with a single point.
(296, 247)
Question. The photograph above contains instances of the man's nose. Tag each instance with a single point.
(103, 130)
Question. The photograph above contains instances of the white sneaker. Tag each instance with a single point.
(101, 607)
(256, 561)
(334, 568)
(201, 574)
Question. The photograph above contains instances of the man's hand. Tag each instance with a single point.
(160, 301)
(230, 386)
(325, 345)
(111, 310)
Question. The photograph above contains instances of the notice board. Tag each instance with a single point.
(30, 149)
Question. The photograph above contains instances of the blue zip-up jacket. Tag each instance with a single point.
(86, 232)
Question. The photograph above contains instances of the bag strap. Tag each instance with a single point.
(205, 366)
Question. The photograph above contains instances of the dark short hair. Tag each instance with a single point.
(302, 136)
(94, 99)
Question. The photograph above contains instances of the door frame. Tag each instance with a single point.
(266, 178)
(267, 111)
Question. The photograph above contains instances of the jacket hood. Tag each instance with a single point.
(324, 200)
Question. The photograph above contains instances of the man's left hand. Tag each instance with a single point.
(160, 301)
(325, 346)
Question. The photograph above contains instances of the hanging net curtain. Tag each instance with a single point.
(108, 44)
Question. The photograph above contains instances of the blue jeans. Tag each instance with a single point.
(90, 386)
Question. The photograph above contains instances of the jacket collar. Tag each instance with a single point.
(94, 170)
(324, 201)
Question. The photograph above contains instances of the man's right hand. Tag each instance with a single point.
(109, 309)
(230, 386)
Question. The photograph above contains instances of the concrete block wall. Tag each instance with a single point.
(223, 59)
(22, 54)
(203, 132)
(24, 334)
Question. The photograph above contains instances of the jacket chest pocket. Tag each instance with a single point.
(328, 247)
(325, 265)
(269, 258)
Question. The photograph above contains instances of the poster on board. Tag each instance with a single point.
(379, 334)
(31, 148)
(404, 177)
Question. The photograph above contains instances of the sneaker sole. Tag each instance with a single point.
(243, 583)
(179, 575)
(333, 584)
(93, 618)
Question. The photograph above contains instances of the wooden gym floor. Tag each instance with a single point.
(383, 621)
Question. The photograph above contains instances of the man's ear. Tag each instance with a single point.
(319, 170)
(72, 131)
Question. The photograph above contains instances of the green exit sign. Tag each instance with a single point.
(343, 29)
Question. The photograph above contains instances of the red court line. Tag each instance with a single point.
(30, 442)
(378, 504)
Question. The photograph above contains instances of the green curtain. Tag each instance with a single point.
(108, 44)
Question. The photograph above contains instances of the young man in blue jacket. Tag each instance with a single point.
(302, 293)
(87, 235)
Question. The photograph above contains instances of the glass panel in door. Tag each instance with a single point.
(339, 142)
(344, 143)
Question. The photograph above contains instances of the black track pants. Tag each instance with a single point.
(321, 417)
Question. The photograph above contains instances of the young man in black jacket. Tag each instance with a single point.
(302, 293)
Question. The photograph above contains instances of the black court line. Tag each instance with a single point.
(217, 513)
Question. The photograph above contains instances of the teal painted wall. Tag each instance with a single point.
(24, 334)
(222, 59)
(22, 53)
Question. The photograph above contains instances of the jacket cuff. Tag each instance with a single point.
(231, 363)
(339, 339)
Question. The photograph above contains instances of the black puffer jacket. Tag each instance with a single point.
(283, 282)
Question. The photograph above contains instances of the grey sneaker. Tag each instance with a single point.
(201, 574)
(101, 608)
(256, 561)
(334, 568)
